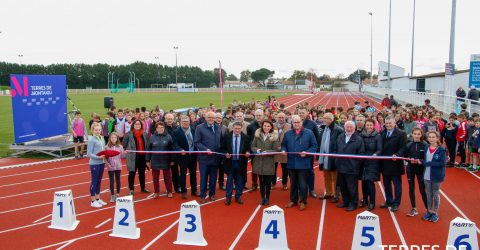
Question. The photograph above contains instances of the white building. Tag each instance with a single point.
(395, 72)
(433, 83)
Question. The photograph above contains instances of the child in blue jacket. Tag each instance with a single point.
(434, 175)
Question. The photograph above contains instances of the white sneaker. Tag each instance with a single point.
(95, 204)
(103, 203)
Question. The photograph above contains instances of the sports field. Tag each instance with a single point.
(89, 103)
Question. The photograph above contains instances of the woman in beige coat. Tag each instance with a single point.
(265, 141)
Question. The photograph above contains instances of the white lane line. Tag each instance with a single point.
(44, 179)
(239, 236)
(103, 223)
(302, 100)
(49, 189)
(458, 209)
(397, 226)
(320, 227)
(68, 243)
(35, 163)
(45, 170)
(160, 235)
(476, 176)
(42, 218)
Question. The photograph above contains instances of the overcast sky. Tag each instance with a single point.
(325, 36)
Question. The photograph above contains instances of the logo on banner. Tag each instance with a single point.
(18, 88)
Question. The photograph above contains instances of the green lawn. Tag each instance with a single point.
(89, 103)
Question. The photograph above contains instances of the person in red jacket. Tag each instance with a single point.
(461, 138)
(386, 102)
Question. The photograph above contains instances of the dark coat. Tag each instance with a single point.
(205, 139)
(311, 125)
(227, 147)
(335, 131)
(354, 146)
(473, 95)
(394, 145)
(181, 140)
(251, 128)
(373, 146)
(305, 141)
(460, 93)
(160, 142)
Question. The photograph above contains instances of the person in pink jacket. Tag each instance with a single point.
(114, 165)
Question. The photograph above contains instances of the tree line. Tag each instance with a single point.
(80, 76)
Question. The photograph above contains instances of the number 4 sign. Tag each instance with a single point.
(273, 234)
(124, 223)
(63, 212)
(367, 232)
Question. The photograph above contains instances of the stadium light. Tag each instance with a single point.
(20, 56)
(413, 39)
(389, 38)
(176, 65)
(371, 47)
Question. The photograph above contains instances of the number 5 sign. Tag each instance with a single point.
(367, 232)
(190, 230)
(124, 223)
(273, 234)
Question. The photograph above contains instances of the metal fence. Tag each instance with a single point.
(445, 103)
(173, 90)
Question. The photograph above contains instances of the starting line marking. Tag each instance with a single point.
(103, 223)
(45, 170)
(239, 236)
(160, 235)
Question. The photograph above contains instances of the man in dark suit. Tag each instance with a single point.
(235, 143)
(170, 127)
(223, 132)
(184, 138)
(207, 138)
(348, 169)
(394, 142)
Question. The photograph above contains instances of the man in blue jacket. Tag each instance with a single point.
(298, 142)
(309, 124)
(207, 138)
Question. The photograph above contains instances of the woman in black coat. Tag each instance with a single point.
(371, 168)
(161, 141)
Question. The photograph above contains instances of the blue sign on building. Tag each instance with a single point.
(474, 78)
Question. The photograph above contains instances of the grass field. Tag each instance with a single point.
(89, 103)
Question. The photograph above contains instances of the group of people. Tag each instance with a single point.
(269, 136)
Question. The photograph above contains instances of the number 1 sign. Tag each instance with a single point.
(124, 223)
(367, 232)
(63, 212)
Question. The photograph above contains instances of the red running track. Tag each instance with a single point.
(26, 196)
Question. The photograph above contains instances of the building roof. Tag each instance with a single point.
(439, 74)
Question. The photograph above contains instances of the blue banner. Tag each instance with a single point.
(39, 106)
(474, 78)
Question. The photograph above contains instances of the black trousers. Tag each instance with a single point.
(298, 185)
(114, 177)
(349, 189)
(284, 173)
(461, 151)
(451, 146)
(189, 164)
(396, 180)
(265, 185)
(175, 177)
(369, 192)
(412, 172)
(140, 166)
(221, 176)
